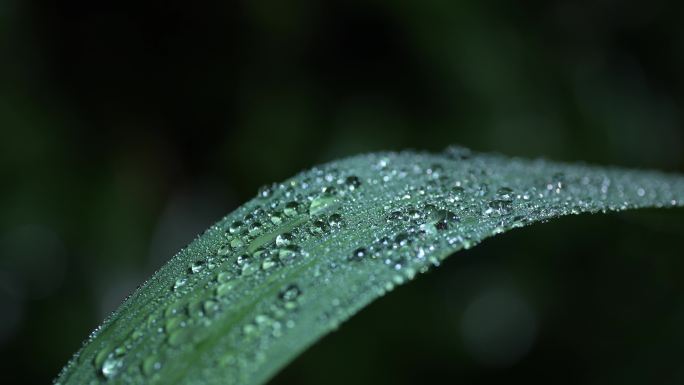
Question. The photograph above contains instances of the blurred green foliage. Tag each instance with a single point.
(128, 127)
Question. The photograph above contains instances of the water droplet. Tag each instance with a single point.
(151, 364)
(435, 170)
(358, 254)
(276, 218)
(457, 153)
(499, 207)
(197, 267)
(268, 263)
(481, 190)
(557, 183)
(458, 192)
(248, 268)
(402, 239)
(179, 337)
(235, 227)
(224, 250)
(319, 227)
(504, 193)
(284, 239)
(180, 282)
(249, 329)
(174, 323)
(255, 228)
(195, 309)
(173, 309)
(352, 182)
(110, 366)
(236, 243)
(289, 253)
(225, 288)
(433, 215)
(100, 357)
(289, 295)
(335, 221)
(395, 216)
(321, 203)
(291, 209)
(223, 277)
(210, 307)
(266, 191)
(446, 219)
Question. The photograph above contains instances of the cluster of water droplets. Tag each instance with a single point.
(307, 253)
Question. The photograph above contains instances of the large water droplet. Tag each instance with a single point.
(499, 207)
(504, 193)
(236, 243)
(111, 366)
(321, 203)
(235, 227)
(291, 209)
(335, 221)
(197, 267)
(224, 250)
(180, 282)
(268, 263)
(284, 239)
(255, 228)
(276, 218)
(319, 227)
(289, 253)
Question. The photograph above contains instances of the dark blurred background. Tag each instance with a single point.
(127, 127)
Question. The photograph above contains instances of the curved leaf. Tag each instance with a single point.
(271, 278)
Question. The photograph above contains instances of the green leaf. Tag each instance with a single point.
(274, 276)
